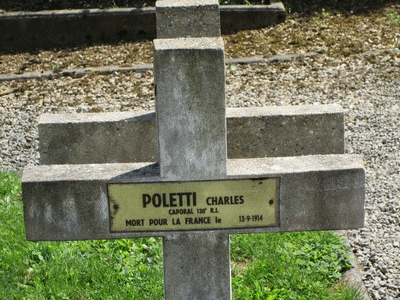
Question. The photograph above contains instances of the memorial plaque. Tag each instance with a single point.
(194, 205)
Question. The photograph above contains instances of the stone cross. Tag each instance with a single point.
(194, 197)
(189, 74)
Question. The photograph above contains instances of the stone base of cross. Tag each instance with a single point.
(100, 179)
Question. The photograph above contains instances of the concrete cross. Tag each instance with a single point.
(194, 197)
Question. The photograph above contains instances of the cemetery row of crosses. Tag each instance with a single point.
(193, 172)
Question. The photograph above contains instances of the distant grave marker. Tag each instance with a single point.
(194, 196)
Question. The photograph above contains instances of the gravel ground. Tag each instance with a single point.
(366, 82)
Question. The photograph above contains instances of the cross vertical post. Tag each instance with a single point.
(189, 75)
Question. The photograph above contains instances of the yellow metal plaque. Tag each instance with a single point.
(200, 205)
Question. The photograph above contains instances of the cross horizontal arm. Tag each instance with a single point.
(70, 202)
(251, 132)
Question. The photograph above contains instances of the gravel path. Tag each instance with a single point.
(368, 86)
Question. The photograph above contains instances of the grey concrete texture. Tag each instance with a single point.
(191, 127)
(97, 138)
(251, 133)
(204, 260)
(69, 202)
(249, 17)
(328, 196)
(190, 108)
(285, 131)
(46, 30)
(186, 18)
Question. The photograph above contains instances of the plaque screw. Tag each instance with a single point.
(271, 201)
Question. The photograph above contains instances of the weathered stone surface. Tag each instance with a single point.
(97, 138)
(49, 29)
(318, 192)
(177, 18)
(69, 202)
(247, 17)
(251, 133)
(191, 127)
(190, 105)
(285, 131)
(212, 250)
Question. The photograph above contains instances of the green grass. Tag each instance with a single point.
(303, 265)
(265, 266)
(393, 17)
